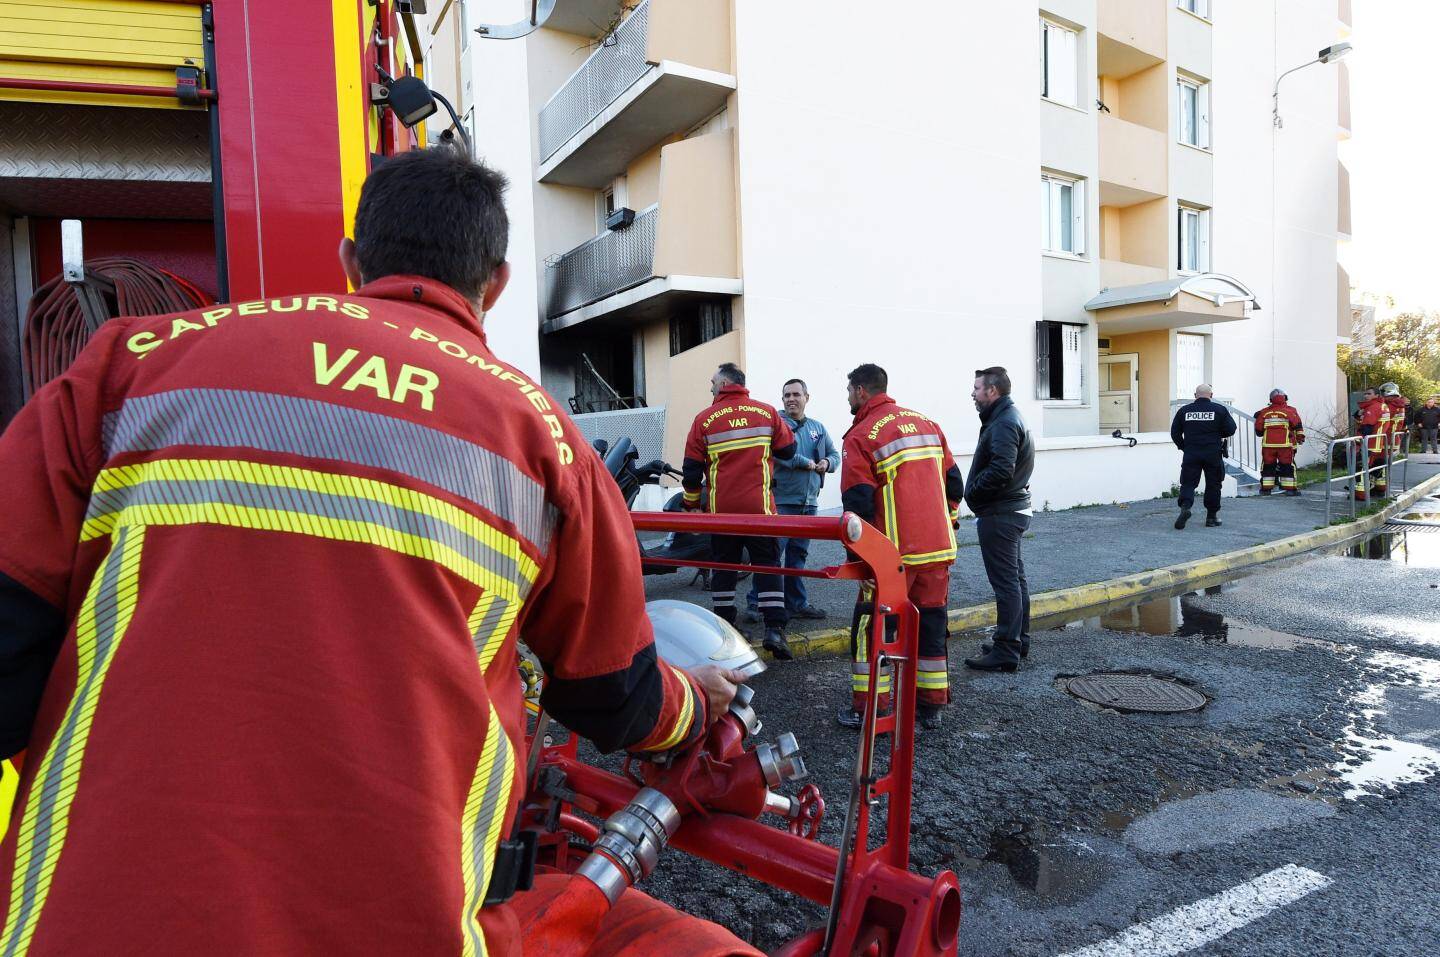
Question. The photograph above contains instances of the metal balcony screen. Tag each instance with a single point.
(609, 71)
(611, 262)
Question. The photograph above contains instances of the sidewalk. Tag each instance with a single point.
(1078, 547)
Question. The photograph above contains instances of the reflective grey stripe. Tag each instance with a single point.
(45, 792)
(495, 785)
(906, 442)
(232, 418)
(308, 502)
(739, 434)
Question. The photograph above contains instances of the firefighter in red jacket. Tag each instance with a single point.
(729, 449)
(1281, 433)
(263, 570)
(897, 474)
(1397, 433)
(1373, 416)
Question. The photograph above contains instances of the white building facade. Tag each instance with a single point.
(801, 187)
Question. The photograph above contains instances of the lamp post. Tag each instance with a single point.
(1328, 55)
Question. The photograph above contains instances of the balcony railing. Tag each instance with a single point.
(609, 263)
(609, 72)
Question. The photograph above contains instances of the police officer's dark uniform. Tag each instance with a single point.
(1197, 430)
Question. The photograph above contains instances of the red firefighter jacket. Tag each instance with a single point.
(1279, 426)
(1396, 404)
(901, 458)
(1374, 417)
(730, 446)
(295, 542)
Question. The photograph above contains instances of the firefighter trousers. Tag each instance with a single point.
(771, 594)
(1278, 467)
(928, 588)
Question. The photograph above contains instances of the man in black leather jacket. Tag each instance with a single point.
(1198, 430)
(998, 492)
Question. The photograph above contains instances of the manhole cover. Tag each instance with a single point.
(1131, 692)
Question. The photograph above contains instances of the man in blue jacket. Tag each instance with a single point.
(797, 492)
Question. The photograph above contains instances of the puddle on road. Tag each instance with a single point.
(1062, 868)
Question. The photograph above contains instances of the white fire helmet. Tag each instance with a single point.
(1389, 388)
(688, 636)
(1274, 393)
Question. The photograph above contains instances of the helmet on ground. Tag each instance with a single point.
(1389, 388)
(1278, 394)
(688, 636)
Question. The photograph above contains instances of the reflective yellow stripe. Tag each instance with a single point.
(100, 626)
(892, 462)
(927, 558)
(686, 719)
(350, 108)
(733, 444)
(485, 809)
(9, 780)
(765, 502)
(323, 526)
(932, 680)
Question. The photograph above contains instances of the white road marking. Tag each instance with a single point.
(1197, 924)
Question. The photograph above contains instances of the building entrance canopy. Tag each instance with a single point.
(1172, 304)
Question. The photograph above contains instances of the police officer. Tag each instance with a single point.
(1198, 430)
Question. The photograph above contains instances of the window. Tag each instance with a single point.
(698, 323)
(1059, 362)
(1189, 364)
(1194, 111)
(1193, 239)
(1201, 8)
(1062, 214)
(1059, 63)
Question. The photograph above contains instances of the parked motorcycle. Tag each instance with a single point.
(620, 461)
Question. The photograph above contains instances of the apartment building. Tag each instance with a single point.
(800, 188)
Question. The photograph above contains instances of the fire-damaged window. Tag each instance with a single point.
(697, 323)
(1059, 362)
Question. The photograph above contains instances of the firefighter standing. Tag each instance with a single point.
(1399, 428)
(263, 568)
(730, 446)
(897, 474)
(1281, 433)
(1198, 430)
(1373, 416)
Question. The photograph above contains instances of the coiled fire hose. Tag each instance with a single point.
(63, 315)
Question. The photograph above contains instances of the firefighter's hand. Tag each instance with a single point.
(720, 685)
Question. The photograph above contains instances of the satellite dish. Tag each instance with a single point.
(540, 11)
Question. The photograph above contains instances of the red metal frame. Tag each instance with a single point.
(75, 86)
(882, 907)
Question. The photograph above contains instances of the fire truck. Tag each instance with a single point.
(162, 153)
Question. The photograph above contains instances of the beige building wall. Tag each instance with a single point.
(694, 32)
(642, 180)
(690, 374)
(1144, 233)
(1153, 348)
(696, 235)
(1135, 23)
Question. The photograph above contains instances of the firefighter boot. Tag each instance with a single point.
(928, 716)
(776, 644)
(849, 719)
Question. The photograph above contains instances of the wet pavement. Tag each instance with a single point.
(1068, 823)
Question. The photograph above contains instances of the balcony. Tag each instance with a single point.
(1133, 162)
(663, 70)
(1130, 36)
(1343, 78)
(1342, 225)
(682, 248)
(1347, 18)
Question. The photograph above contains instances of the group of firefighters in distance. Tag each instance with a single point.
(1381, 421)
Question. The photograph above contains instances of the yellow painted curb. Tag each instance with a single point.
(1081, 597)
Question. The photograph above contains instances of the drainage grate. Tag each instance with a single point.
(1402, 526)
(1152, 694)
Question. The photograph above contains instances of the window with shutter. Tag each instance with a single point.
(1042, 360)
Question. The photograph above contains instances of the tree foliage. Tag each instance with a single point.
(1364, 370)
(1412, 337)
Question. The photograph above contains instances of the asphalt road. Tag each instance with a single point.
(1299, 810)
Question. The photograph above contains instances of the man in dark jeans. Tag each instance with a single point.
(998, 492)
(1429, 419)
(1198, 430)
(797, 492)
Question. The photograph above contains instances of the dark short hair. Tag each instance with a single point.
(732, 373)
(869, 377)
(995, 377)
(1372, 390)
(799, 382)
(434, 213)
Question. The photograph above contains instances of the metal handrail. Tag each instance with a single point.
(608, 72)
(1397, 452)
(1244, 444)
(601, 266)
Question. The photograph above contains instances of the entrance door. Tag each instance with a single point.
(1119, 392)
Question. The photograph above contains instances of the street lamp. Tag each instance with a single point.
(1328, 55)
